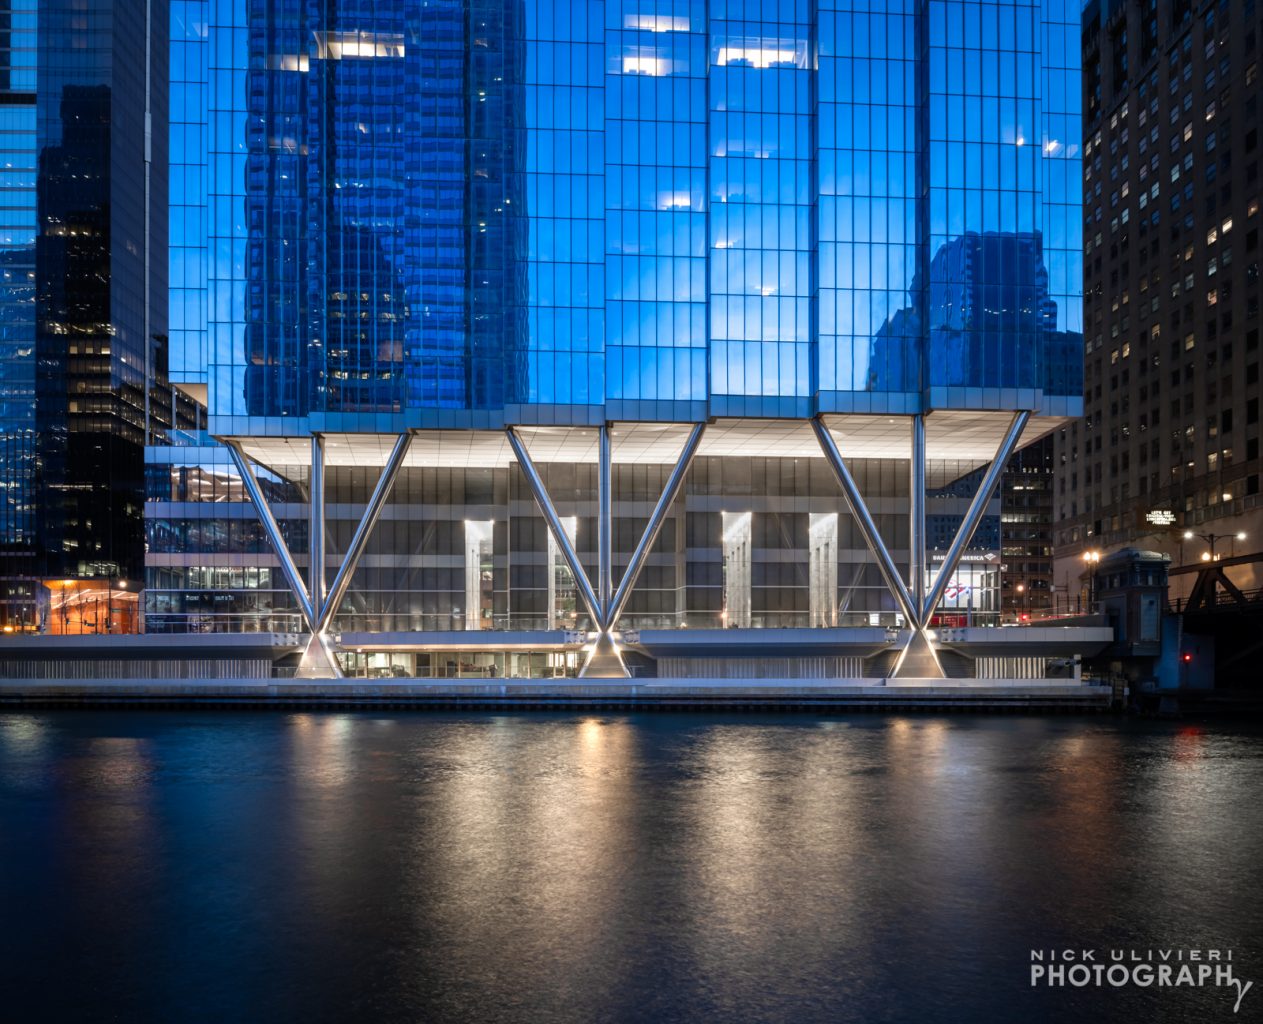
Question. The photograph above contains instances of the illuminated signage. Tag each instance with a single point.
(1160, 517)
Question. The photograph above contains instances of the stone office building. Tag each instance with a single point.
(1167, 455)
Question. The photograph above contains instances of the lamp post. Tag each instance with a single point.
(1212, 539)
(1092, 558)
(1021, 590)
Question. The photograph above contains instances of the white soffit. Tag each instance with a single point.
(954, 436)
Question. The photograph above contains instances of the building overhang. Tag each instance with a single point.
(963, 438)
(1045, 408)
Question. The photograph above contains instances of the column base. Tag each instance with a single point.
(318, 660)
(605, 661)
(917, 660)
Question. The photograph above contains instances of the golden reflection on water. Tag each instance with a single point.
(776, 827)
(527, 836)
(682, 867)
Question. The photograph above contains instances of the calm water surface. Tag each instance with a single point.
(169, 867)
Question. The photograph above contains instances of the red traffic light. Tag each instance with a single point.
(1187, 657)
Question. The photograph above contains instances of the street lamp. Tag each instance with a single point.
(1212, 538)
(1021, 589)
(1092, 558)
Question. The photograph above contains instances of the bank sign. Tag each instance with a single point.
(974, 585)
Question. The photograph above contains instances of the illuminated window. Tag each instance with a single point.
(654, 66)
(656, 23)
(761, 53)
(347, 45)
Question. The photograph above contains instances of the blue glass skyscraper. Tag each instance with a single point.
(668, 246)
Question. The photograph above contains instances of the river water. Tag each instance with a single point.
(259, 866)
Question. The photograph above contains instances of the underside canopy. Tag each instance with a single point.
(951, 437)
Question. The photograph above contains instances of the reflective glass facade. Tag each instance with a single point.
(18, 156)
(83, 281)
(436, 219)
(187, 185)
(473, 213)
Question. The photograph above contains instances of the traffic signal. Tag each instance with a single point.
(1187, 657)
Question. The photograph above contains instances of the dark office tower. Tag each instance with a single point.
(1026, 532)
(83, 309)
(1167, 456)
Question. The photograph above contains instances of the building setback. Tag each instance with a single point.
(534, 322)
(1169, 443)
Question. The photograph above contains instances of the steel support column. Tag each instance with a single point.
(977, 508)
(654, 527)
(316, 524)
(317, 660)
(916, 516)
(604, 524)
(855, 501)
(268, 521)
(540, 493)
(359, 540)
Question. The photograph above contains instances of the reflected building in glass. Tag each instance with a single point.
(547, 337)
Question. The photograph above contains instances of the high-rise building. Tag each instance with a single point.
(1167, 455)
(537, 327)
(83, 333)
(1026, 528)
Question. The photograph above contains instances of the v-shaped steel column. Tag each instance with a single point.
(977, 508)
(605, 608)
(855, 501)
(318, 660)
(273, 531)
(659, 516)
(540, 493)
(359, 540)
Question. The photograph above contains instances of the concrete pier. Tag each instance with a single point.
(711, 694)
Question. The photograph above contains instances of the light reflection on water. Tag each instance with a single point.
(177, 866)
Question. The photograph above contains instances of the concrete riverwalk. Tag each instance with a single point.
(873, 694)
